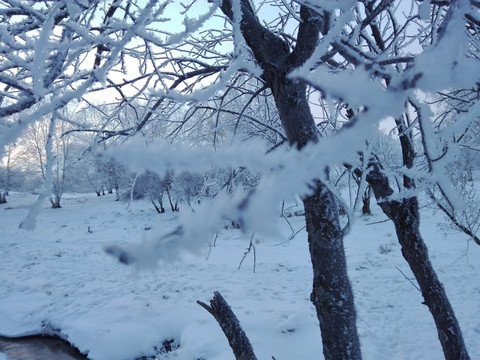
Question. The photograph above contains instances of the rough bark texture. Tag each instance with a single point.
(406, 218)
(231, 327)
(332, 293)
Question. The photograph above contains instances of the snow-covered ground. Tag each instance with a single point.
(59, 279)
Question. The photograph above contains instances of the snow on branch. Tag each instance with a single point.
(285, 174)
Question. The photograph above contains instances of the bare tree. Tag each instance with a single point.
(151, 186)
(32, 147)
(405, 215)
(360, 56)
(6, 177)
(459, 140)
(332, 292)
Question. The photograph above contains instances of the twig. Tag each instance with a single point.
(288, 222)
(291, 237)
(250, 247)
(451, 215)
(212, 244)
(378, 222)
(411, 282)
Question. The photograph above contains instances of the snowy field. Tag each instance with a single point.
(59, 279)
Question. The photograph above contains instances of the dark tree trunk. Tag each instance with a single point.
(173, 206)
(3, 197)
(117, 192)
(414, 250)
(159, 208)
(332, 293)
(55, 202)
(406, 218)
(230, 325)
(366, 201)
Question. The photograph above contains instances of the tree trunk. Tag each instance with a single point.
(159, 208)
(332, 293)
(231, 327)
(173, 206)
(55, 202)
(366, 201)
(3, 197)
(117, 192)
(406, 218)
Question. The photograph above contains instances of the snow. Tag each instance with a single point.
(41, 54)
(59, 279)
(424, 10)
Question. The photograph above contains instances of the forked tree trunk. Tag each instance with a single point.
(55, 202)
(332, 293)
(173, 206)
(159, 208)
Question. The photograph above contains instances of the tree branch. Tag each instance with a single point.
(268, 49)
(230, 326)
(308, 33)
(451, 215)
(101, 47)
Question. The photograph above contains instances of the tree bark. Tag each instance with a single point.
(332, 293)
(406, 219)
(366, 201)
(230, 326)
(414, 250)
